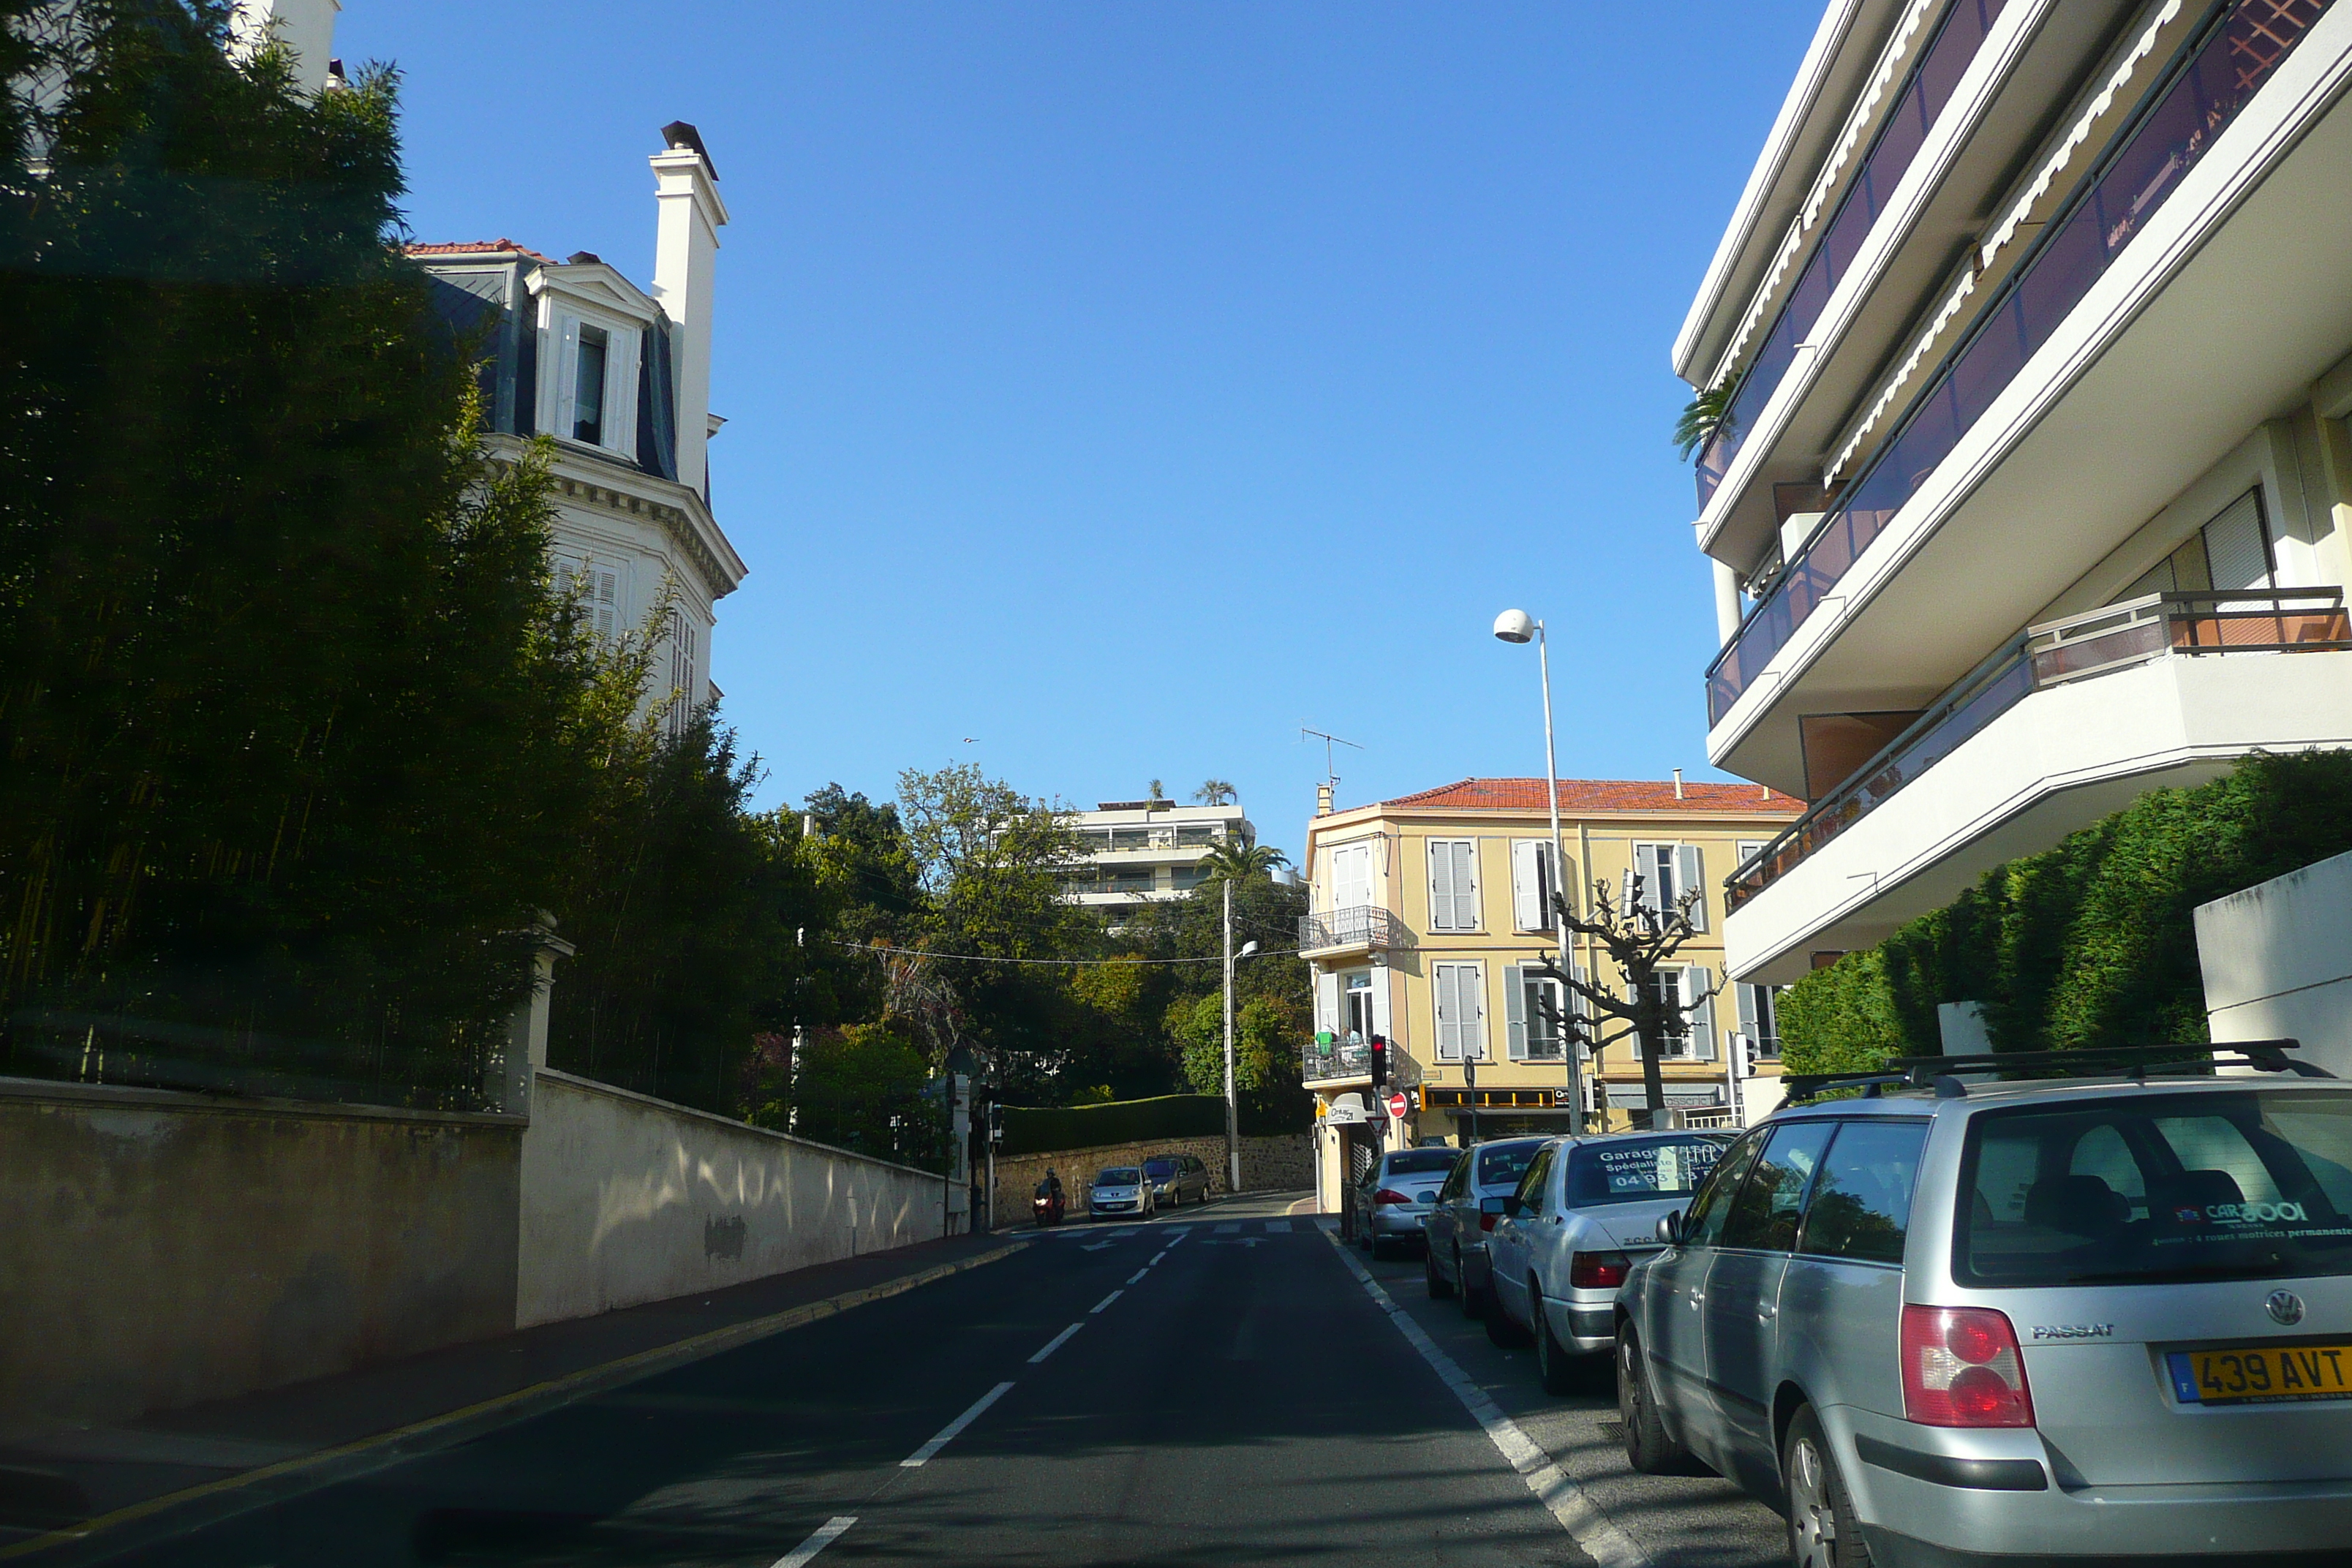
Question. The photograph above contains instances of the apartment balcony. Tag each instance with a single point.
(1346, 1061)
(2195, 283)
(2070, 721)
(1358, 929)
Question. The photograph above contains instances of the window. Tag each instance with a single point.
(1189, 877)
(1667, 872)
(588, 386)
(1862, 1205)
(1534, 880)
(1530, 1033)
(1538, 1177)
(683, 702)
(1764, 1215)
(1356, 1004)
(1453, 884)
(1712, 1207)
(1500, 1162)
(1639, 1169)
(1134, 880)
(1460, 989)
(595, 591)
(1351, 876)
(2230, 553)
(1759, 1018)
(595, 384)
(1687, 1012)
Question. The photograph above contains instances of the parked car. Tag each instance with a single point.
(1174, 1177)
(2016, 1321)
(1464, 1210)
(1584, 1212)
(1395, 1195)
(1121, 1190)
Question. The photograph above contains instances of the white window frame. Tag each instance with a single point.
(1519, 1023)
(1701, 1042)
(1348, 991)
(1755, 1003)
(1459, 1038)
(685, 640)
(1447, 897)
(561, 319)
(1689, 864)
(1534, 879)
(1348, 893)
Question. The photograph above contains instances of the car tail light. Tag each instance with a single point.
(1487, 1221)
(1390, 1196)
(1961, 1367)
(1597, 1271)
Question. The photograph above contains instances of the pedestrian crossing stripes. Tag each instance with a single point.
(1229, 1228)
(1278, 1227)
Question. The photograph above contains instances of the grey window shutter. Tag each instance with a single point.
(2238, 554)
(1702, 1019)
(1471, 978)
(1689, 874)
(1516, 1022)
(1441, 885)
(1465, 884)
(1449, 1029)
(1747, 995)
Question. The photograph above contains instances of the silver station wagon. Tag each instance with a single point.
(2017, 1322)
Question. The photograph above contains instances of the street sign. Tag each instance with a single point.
(1398, 1105)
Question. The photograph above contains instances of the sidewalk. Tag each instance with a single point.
(63, 1486)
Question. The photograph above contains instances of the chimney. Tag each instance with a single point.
(1323, 800)
(1678, 784)
(307, 29)
(685, 251)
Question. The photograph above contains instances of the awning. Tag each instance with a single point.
(1679, 1096)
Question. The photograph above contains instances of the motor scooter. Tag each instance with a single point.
(1048, 1205)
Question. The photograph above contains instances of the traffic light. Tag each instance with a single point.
(1748, 1056)
(995, 1123)
(1380, 1060)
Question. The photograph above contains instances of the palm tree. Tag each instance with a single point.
(1702, 418)
(1215, 792)
(1235, 861)
(1157, 793)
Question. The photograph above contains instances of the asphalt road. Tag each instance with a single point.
(1215, 1387)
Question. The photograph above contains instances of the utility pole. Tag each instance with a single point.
(1232, 1112)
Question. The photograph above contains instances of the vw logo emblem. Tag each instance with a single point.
(2284, 1306)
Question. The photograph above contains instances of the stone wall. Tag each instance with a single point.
(158, 1249)
(1268, 1164)
(628, 1199)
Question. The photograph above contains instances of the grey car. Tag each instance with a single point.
(1464, 1211)
(1177, 1179)
(1585, 1210)
(1396, 1195)
(2016, 1322)
(1121, 1192)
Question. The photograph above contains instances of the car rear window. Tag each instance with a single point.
(1159, 1167)
(1638, 1170)
(1504, 1163)
(1422, 1162)
(2153, 1188)
(1118, 1176)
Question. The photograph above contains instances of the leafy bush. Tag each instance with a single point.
(1038, 1129)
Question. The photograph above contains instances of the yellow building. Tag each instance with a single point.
(1427, 913)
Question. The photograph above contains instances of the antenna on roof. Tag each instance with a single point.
(1329, 778)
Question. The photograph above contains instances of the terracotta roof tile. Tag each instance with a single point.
(1602, 795)
(475, 248)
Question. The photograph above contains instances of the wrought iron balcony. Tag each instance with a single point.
(1359, 927)
(1345, 1057)
(2079, 648)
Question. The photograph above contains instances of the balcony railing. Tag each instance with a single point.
(1921, 100)
(1359, 925)
(1349, 1057)
(2256, 620)
(2217, 76)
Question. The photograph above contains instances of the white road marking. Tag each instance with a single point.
(1122, 1233)
(1098, 1245)
(920, 1457)
(1158, 1255)
(1107, 1300)
(1228, 1227)
(826, 1535)
(1278, 1227)
(1057, 1341)
(1181, 1231)
(1606, 1545)
(1139, 1273)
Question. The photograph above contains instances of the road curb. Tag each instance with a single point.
(193, 1507)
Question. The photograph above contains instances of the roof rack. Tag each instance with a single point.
(1944, 1074)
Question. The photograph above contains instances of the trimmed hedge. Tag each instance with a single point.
(2092, 942)
(1045, 1129)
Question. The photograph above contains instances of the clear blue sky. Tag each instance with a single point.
(1128, 384)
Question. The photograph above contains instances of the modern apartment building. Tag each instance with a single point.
(619, 377)
(1148, 851)
(2035, 488)
(1428, 913)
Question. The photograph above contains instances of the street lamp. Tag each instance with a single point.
(1519, 627)
(1232, 1105)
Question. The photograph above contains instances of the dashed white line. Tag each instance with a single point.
(1606, 1545)
(826, 1535)
(1139, 1273)
(1057, 1342)
(1158, 1255)
(1182, 1232)
(920, 1457)
(1107, 1300)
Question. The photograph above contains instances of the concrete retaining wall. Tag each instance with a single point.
(628, 1199)
(2277, 962)
(158, 1249)
(1268, 1164)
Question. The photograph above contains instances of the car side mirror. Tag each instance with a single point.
(1508, 1203)
(1670, 1227)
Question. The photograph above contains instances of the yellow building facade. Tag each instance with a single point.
(1427, 915)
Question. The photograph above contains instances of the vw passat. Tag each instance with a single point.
(2017, 1322)
(1121, 1190)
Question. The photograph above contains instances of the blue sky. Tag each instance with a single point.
(1126, 385)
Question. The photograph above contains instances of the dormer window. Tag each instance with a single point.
(594, 387)
(588, 384)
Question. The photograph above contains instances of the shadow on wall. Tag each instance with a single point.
(628, 1199)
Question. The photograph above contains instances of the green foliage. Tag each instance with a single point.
(852, 1083)
(2092, 942)
(1030, 1130)
(1701, 417)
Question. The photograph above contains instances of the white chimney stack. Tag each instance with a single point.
(685, 251)
(307, 29)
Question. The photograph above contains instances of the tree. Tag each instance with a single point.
(1706, 417)
(1638, 938)
(1215, 792)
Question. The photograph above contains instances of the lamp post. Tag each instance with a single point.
(1232, 1105)
(1519, 627)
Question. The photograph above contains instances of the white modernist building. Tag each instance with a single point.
(619, 377)
(1148, 851)
(2035, 488)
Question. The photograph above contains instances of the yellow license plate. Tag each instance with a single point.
(2248, 1375)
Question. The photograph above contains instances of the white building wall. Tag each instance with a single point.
(2277, 961)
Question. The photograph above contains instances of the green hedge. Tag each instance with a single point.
(2090, 943)
(1044, 1130)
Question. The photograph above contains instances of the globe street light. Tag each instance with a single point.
(1519, 627)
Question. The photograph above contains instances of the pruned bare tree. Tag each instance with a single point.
(1638, 938)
